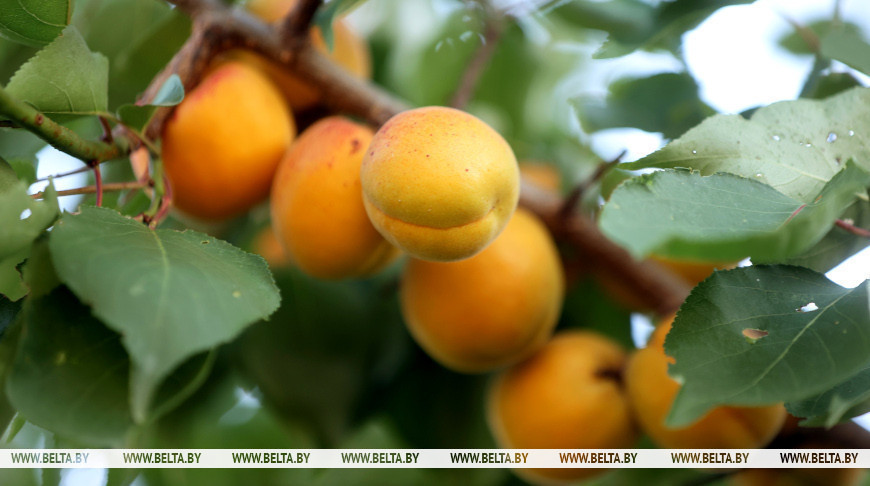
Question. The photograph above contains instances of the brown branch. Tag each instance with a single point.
(574, 196)
(296, 24)
(218, 29)
(494, 25)
(107, 187)
(655, 286)
(64, 174)
(851, 228)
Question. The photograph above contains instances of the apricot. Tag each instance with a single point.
(542, 175)
(223, 142)
(317, 210)
(566, 396)
(266, 244)
(652, 393)
(693, 272)
(439, 183)
(489, 310)
(348, 51)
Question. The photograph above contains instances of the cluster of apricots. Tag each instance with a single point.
(483, 285)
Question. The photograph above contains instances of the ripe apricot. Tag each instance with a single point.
(266, 245)
(439, 183)
(542, 175)
(222, 144)
(566, 396)
(348, 51)
(652, 393)
(489, 310)
(317, 209)
(693, 272)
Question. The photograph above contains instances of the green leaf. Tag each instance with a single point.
(817, 335)
(8, 177)
(795, 146)
(666, 103)
(328, 13)
(830, 84)
(170, 294)
(838, 244)
(23, 219)
(849, 47)
(722, 217)
(68, 355)
(798, 41)
(64, 77)
(33, 22)
(138, 116)
(842, 402)
(669, 21)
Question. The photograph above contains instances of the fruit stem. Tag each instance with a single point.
(58, 136)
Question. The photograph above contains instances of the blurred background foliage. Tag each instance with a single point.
(334, 367)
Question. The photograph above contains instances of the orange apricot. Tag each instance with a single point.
(316, 203)
(223, 142)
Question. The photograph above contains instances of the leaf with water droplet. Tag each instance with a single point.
(802, 355)
(736, 145)
(723, 217)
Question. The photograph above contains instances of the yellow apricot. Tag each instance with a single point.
(652, 393)
(439, 183)
(266, 245)
(348, 51)
(693, 272)
(566, 396)
(542, 175)
(222, 144)
(317, 209)
(489, 310)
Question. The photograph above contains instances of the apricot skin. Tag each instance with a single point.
(222, 144)
(652, 393)
(316, 203)
(489, 310)
(348, 51)
(439, 183)
(565, 396)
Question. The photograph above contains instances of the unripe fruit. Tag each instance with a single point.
(489, 310)
(439, 183)
(348, 51)
(317, 209)
(566, 396)
(652, 393)
(222, 144)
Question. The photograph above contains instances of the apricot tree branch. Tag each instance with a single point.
(297, 22)
(494, 25)
(107, 187)
(58, 136)
(658, 288)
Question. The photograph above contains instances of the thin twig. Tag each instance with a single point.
(851, 228)
(7, 124)
(98, 183)
(64, 174)
(296, 24)
(494, 26)
(56, 135)
(107, 187)
(576, 194)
